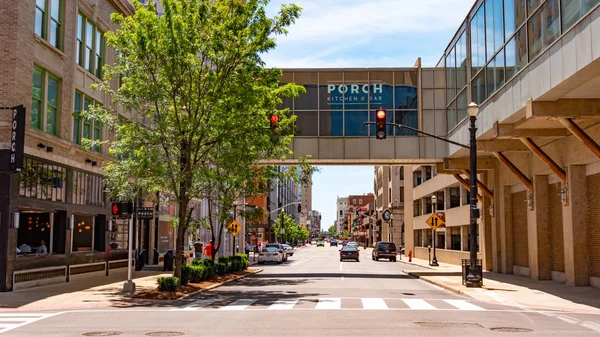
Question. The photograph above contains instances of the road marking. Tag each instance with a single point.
(284, 304)
(417, 304)
(341, 266)
(567, 319)
(20, 319)
(195, 305)
(463, 305)
(302, 260)
(374, 304)
(240, 304)
(329, 303)
(591, 325)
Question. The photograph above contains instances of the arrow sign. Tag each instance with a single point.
(234, 228)
(435, 222)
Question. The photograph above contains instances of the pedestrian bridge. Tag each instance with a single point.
(331, 114)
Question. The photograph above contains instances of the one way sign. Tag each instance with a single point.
(435, 222)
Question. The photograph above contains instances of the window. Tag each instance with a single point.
(83, 233)
(90, 46)
(493, 26)
(360, 201)
(478, 41)
(495, 74)
(353, 201)
(516, 54)
(543, 27)
(46, 88)
(91, 130)
(49, 20)
(118, 238)
(515, 13)
(402, 194)
(574, 10)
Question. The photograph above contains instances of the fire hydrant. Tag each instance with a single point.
(410, 255)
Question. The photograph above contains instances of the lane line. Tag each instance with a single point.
(329, 303)
(283, 304)
(33, 318)
(341, 265)
(417, 304)
(591, 325)
(374, 304)
(195, 305)
(463, 305)
(240, 304)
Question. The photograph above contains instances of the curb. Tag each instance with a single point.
(199, 291)
(443, 286)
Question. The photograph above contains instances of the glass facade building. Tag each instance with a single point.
(502, 37)
(337, 103)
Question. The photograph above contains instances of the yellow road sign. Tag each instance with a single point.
(234, 228)
(435, 222)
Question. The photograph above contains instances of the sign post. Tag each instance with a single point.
(234, 228)
(435, 222)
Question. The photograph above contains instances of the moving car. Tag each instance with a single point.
(333, 243)
(280, 249)
(349, 253)
(313, 242)
(270, 254)
(351, 243)
(320, 244)
(384, 250)
(289, 250)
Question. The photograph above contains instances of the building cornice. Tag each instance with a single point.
(123, 6)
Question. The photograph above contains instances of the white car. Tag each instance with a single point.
(351, 243)
(270, 254)
(289, 250)
(313, 242)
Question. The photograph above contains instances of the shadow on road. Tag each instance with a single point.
(329, 275)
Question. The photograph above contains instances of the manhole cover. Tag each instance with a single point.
(102, 333)
(448, 325)
(505, 329)
(164, 334)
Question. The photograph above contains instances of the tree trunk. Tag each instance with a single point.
(212, 230)
(183, 206)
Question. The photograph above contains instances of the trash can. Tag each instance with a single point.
(168, 262)
(466, 265)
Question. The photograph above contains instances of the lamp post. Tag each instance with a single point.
(473, 278)
(434, 209)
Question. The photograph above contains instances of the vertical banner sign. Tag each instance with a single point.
(17, 139)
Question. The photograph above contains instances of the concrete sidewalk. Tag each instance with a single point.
(509, 289)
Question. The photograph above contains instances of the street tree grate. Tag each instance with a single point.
(103, 333)
(509, 329)
(165, 334)
(448, 325)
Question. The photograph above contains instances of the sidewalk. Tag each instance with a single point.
(509, 289)
(86, 293)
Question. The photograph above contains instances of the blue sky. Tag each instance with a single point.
(362, 33)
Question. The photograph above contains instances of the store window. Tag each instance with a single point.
(166, 236)
(34, 230)
(49, 21)
(83, 233)
(87, 189)
(45, 101)
(42, 180)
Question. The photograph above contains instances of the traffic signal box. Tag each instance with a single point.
(380, 120)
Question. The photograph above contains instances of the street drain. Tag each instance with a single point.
(102, 333)
(448, 325)
(508, 329)
(164, 334)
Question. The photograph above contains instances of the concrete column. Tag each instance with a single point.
(538, 229)
(505, 224)
(409, 240)
(485, 230)
(448, 237)
(494, 182)
(575, 231)
(464, 237)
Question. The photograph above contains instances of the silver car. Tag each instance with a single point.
(270, 254)
(279, 248)
(289, 250)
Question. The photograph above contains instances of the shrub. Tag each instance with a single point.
(197, 274)
(220, 268)
(243, 260)
(209, 272)
(167, 283)
(186, 272)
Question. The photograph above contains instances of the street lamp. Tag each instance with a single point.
(434, 205)
(474, 278)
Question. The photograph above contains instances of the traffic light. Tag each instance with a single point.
(274, 120)
(380, 120)
(121, 208)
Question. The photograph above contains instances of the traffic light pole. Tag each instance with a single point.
(423, 133)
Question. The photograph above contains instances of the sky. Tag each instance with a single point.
(356, 34)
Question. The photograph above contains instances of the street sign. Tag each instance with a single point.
(386, 215)
(282, 231)
(234, 228)
(435, 222)
(145, 212)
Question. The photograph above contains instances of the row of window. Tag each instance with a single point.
(505, 35)
(45, 109)
(90, 46)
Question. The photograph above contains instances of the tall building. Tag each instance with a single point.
(341, 213)
(389, 189)
(358, 205)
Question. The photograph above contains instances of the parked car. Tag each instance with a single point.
(313, 242)
(384, 250)
(333, 243)
(349, 253)
(289, 250)
(351, 243)
(270, 254)
(280, 249)
(320, 244)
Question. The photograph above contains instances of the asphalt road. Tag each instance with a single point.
(314, 294)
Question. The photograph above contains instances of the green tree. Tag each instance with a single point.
(194, 91)
(332, 231)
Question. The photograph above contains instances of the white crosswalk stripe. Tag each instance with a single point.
(10, 321)
(284, 304)
(463, 305)
(240, 304)
(418, 304)
(330, 303)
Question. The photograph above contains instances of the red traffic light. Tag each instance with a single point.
(380, 119)
(115, 209)
(381, 114)
(274, 119)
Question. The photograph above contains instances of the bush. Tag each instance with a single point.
(220, 268)
(167, 283)
(243, 260)
(186, 272)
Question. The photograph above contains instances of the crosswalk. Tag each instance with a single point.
(10, 321)
(330, 303)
